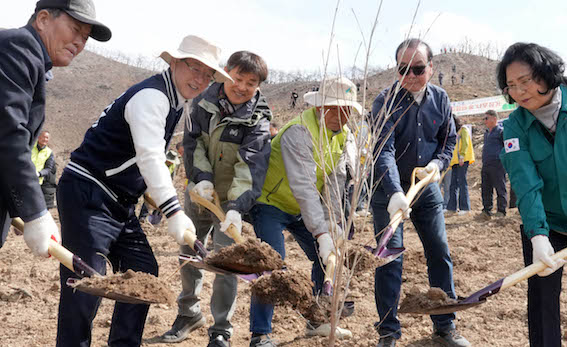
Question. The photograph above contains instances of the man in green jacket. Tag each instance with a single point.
(305, 159)
(226, 148)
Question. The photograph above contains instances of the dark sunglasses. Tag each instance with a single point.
(417, 70)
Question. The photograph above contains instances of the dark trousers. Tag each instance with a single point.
(92, 222)
(494, 178)
(544, 318)
(427, 217)
(269, 222)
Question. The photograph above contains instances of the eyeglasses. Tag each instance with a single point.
(197, 71)
(523, 85)
(417, 70)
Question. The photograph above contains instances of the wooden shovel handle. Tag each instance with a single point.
(215, 208)
(413, 191)
(530, 270)
(65, 257)
(330, 267)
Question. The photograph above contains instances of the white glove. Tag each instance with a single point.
(432, 166)
(326, 246)
(542, 250)
(398, 201)
(38, 232)
(178, 224)
(205, 189)
(232, 217)
(38, 174)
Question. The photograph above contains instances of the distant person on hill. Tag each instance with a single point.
(55, 34)
(294, 97)
(453, 80)
(291, 193)
(454, 68)
(273, 129)
(463, 156)
(44, 161)
(535, 157)
(419, 132)
(441, 75)
(121, 157)
(227, 148)
(463, 77)
(493, 175)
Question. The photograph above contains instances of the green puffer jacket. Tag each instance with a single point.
(232, 152)
(538, 169)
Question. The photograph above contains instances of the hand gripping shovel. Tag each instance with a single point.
(225, 261)
(81, 269)
(188, 236)
(493, 288)
(389, 254)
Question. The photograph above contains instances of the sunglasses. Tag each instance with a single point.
(417, 70)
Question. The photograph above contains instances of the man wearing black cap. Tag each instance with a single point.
(54, 35)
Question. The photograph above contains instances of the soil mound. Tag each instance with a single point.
(135, 284)
(416, 301)
(285, 288)
(251, 256)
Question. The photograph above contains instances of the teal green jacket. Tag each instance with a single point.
(538, 169)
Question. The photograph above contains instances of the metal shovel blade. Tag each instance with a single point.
(72, 282)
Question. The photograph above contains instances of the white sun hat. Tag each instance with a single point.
(199, 49)
(339, 91)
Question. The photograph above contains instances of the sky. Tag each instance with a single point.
(295, 35)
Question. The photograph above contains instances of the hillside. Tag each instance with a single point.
(78, 93)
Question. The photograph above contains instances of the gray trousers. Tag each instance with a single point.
(223, 300)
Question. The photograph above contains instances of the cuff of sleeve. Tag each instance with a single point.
(203, 176)
(534, 232)
(170, 207)
(27, 219)
(439, 164)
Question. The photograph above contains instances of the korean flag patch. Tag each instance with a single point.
(512, 145)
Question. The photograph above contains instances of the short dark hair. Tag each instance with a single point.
(458, 124)
(414, 43)
(54, 12)
(492, 113)
(547, 66)
(248, 62)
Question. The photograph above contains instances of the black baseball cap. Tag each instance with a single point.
(81, 10)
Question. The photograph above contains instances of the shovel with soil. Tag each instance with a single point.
(129, 287)
(244, 257)
(424, 304)
(382, 254)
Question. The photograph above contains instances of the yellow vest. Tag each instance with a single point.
(464, 144)
(276, 190)
(39, 158)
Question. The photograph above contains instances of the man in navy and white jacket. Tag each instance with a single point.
(122, 157)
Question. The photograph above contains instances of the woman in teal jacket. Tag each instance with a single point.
(535, 156)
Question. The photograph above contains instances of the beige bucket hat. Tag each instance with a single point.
(339, 91)
(199, 49)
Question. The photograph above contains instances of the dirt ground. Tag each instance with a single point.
(482, 251)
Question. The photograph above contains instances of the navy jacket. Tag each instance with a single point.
(107, 155)
(423, 133)
(493, 144)
(23, 63)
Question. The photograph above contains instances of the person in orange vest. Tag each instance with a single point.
(463, 156)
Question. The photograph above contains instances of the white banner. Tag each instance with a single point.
(479, 106)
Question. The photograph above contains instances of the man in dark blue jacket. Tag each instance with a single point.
(54, 35)
(418, 115)
(493, 174)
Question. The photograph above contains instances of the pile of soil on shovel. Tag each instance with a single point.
(416, 301)
(285, 288)
(251, 256)
(139, 285)
(366, 261)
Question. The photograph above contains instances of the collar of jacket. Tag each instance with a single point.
(46, 59)
(525, 118)
(175, 99)
(248, 114)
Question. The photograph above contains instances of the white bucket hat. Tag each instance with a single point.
(199, 49)
(339, 91)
